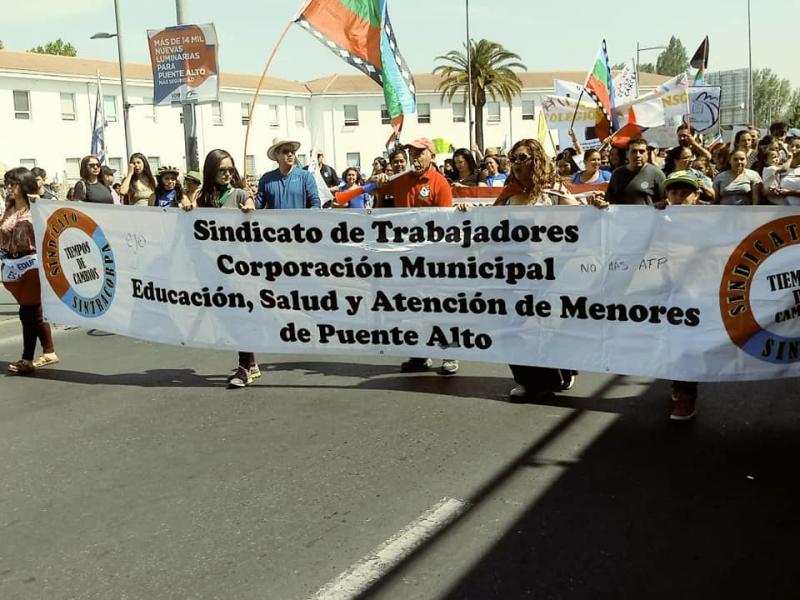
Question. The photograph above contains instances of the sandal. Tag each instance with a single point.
(21, 367)
(46, 359)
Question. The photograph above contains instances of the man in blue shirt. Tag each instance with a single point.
(288, 186)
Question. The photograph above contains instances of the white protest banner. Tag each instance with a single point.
(558, 111)
(184, 62)
(690, 293)
(626, 84)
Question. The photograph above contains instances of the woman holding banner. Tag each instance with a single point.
(533, 183)
(220, 190)
(20, 271)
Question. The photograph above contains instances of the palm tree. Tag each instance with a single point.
(491, 65)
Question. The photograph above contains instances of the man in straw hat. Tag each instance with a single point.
(288, 186)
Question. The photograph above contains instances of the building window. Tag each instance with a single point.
(155, 162)
(110, 108)
(22, 104)
(250, 166)
(423, 113)
(245, 113)
(528, 110)
(73, 169)
(350, 115)
(28, 163)
(67, 107)
(493, 110)
(216, 113)
(299, 116)
(116, 164)
(272, 112)
(385, 118)
(354, 160)
(459, 112)
(301, 159)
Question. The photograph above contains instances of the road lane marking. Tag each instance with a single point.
(360, 576)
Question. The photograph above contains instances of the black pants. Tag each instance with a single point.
(685, 387)
(247, 359)
(539, 378)
(34, 328)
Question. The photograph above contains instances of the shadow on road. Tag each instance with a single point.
(657, 509)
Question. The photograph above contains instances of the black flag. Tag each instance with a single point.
(700, 58)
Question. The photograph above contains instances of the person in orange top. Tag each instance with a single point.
(422, 187)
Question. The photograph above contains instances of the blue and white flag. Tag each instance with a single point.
(99, 127)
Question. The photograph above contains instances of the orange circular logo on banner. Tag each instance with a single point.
(78, 262)
(759, 296)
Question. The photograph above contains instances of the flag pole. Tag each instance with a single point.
(577, 107)
(258, 89)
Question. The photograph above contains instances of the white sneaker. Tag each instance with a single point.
(518, 392)
(449, 367)
(569, 381)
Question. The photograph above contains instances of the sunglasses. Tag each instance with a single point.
(227, 171)
(92, 165)
(519, 158)
(287, 151)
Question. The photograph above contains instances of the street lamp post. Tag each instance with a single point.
(469, 81)
(640, 49)
(189, 115)
(750, 69)
(123, 83)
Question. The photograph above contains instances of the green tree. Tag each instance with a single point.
(673, 60)
(792, 114)
(59, 47)
(647, 68)
(771, 96)
(493, 73)
(1, 45)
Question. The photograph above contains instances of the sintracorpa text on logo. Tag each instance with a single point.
(78, 263)
(759, 295)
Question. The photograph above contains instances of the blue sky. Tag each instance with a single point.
(548, 37)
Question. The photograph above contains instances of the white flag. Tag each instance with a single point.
(99, 127)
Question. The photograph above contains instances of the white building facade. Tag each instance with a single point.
(47, 111)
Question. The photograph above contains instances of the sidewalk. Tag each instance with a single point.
(8, 306)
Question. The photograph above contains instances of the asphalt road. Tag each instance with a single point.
(128, 471)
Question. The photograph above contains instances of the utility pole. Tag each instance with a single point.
(189, 120)
(750, 69)
(469, 83)
(123, 85)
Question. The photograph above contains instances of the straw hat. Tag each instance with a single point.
(277, 143)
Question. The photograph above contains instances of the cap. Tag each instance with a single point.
(194, 176)
(421, 144)
(108, 170)
(167, 169)
(682, 179)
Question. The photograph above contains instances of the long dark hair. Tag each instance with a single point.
(84, 170)
(467, 156)
(147, 174)
(25, 179)
(673, 154)
(208, 194)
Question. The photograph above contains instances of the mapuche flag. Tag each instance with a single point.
(359, 32)
(700, 62)
(600, 87)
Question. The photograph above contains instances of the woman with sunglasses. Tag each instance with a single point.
(20, 272)
(533, 183)
(222, 189)
(139, 184)
(91, 187)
